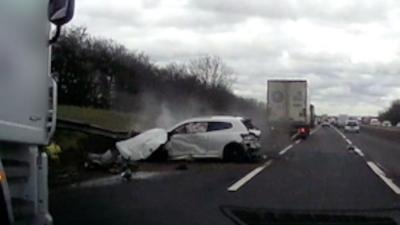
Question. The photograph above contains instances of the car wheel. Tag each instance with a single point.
(159, 155)
(234, 153)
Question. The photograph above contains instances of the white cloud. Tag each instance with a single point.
(348, 50)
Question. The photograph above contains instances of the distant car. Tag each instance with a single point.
(386, 123)
(352, 126)
(325, 124)
(398, 124)
(375, 122)
(225, 137)
(332, 121)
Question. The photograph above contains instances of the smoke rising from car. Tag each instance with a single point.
(156, 112)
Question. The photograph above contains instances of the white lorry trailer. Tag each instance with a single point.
(28, 97)
(341, 122)
(287, 103)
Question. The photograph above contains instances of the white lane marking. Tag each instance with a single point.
(359, 152)
(385, 179)
(248, 177)
(285, 150)
(348, 141)
(340, 133)
(313, 131)
(343, 136)
(380, 167)
(257, 170)
(374, 168)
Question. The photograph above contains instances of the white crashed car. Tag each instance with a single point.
(224, 137)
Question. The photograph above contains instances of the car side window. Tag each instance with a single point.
(180, 130)
(214, 126)
(196, 127)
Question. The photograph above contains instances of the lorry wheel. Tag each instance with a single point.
(234, 152)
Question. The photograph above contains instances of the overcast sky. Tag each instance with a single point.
(348, 50)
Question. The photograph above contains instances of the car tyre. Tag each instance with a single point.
(234, 152)
(159, 155)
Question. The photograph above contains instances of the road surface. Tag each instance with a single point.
(319, 173)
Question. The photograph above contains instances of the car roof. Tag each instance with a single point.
(209, 119)
(213, 118)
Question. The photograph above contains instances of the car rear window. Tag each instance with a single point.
(352, 124)
(214, 126)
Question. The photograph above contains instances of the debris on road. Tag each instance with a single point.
(106, 159)
(182, 167)
(114, 179)
(350, 147)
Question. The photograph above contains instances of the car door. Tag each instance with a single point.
(188, 140)
(217, 136)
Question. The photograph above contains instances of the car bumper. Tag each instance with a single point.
(252, 147)
(352, 130)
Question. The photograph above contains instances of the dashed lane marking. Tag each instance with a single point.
(283, 151)
(378, 171)
(313, 131)
(248, 177)
(385, 179)
(359, 152)
(238, 184)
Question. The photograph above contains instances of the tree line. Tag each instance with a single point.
(392, 113)
(100, 73)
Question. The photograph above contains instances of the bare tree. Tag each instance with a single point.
(211, 71)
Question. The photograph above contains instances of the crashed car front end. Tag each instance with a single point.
(251, 144)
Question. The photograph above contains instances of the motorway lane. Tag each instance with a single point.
(189, 197)
(318, 173)
(382, 151)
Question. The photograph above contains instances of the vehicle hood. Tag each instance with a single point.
(250, 216)
(142, 145)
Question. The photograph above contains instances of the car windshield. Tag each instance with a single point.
(352, 124)
(199, 112)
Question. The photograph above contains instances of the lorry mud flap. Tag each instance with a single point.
(6, 216)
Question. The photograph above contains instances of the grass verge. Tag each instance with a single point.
(104, 118)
